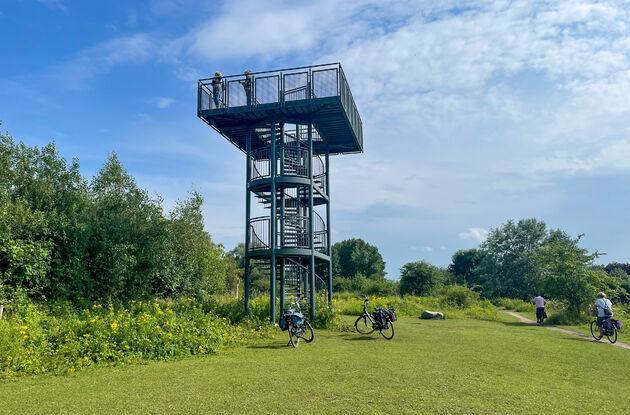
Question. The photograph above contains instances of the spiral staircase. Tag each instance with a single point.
(288, 123)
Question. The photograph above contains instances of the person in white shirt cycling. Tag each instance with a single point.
(602, 305)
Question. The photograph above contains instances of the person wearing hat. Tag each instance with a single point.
(604, 310)
(247, 83)
(217, 89)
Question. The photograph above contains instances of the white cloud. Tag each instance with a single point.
(161, 102)
(79, 69)
(57, 4)
(427, 249)
(476, 234)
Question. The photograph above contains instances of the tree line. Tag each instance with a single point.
(517, 260)
(65, 237)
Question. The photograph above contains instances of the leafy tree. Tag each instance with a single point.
(420, 278)
(464, 267)
(355, 256)
(509, 265)
(566, 274)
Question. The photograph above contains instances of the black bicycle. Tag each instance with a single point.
(368, 323)
(297, 325)
(609, 332)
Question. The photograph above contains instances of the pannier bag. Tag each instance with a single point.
(607, 324)
(384, 314)
(290, 316)
(392, 314)
(618, 324)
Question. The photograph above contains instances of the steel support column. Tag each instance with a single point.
(248, 170)
(272, 227)
(328, 230)
(311, 223)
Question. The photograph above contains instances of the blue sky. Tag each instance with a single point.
(474, 112)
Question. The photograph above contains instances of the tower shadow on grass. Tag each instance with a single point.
(267, 346)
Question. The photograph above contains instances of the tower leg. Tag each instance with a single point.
(272, 227)
(328, 231)
(247, 285)
(311, 218)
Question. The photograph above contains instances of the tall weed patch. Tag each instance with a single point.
(36, 339)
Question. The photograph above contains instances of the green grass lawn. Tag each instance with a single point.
(430, 367)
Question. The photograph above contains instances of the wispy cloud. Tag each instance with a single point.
(161, 102)
(56, 4)
(76, 71)
(476, 234)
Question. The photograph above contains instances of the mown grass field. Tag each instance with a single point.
(457, 366)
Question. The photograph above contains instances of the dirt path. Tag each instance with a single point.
(565, 331)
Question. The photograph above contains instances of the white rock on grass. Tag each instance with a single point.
(427, 315)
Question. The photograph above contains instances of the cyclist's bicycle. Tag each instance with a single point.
(298, 327)
(609, 332)
(367, 323)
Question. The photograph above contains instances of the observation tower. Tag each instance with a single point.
(288, 123)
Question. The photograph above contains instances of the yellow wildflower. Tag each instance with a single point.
(86, 335)
(114, 325)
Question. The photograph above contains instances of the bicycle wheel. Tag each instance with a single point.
(612, 335)
(388, 332)
(307, 332)
(364, 325)
(595, 330)
(294, 339)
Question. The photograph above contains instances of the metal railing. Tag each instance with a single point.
(320, 236)
(261, 163)
(278, 86)
(259, 233)
(292, 231)
(291, 160)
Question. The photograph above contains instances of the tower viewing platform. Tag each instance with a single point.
(319, 94)
(288, 123)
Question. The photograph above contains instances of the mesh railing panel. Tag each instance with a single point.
(236, 94)
(205, 98)
(296, 86)
(267, 89)
(325, 83)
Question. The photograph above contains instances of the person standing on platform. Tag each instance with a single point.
(248, 84)
(217, 89)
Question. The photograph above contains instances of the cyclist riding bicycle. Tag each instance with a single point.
(604, 310)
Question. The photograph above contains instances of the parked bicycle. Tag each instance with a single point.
(298, 327)
(610, 326)
(382, 319)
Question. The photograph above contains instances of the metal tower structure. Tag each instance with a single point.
(288, 123)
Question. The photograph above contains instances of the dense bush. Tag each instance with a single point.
(516, 305)
(459, 296)
(361, 284)
(421, 278)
